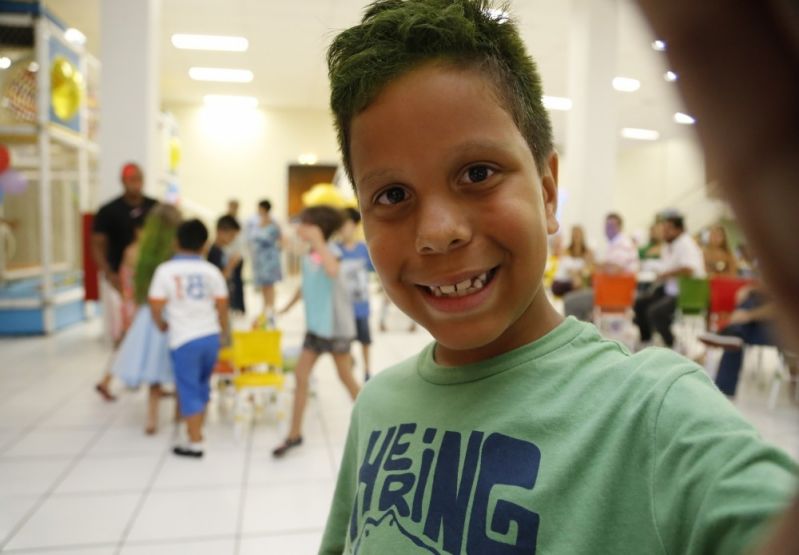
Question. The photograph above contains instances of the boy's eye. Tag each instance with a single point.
(392, 195)
(479, 173)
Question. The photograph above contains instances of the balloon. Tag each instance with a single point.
(324, 193)
(5, 158)
(13, 182)
(174, 153)
(66, 88)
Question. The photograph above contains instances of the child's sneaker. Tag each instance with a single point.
(193, 450)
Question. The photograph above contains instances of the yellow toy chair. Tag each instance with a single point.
(257, 368)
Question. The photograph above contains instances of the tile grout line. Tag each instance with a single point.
(47, 414)
(58, 481)
(143, 497)
(243, 495)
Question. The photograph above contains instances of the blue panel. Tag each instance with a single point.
(21, 322)
(68, 314)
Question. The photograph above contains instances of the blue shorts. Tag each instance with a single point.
(193, 363)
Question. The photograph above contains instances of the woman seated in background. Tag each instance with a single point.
(719, 258)
(574, 265)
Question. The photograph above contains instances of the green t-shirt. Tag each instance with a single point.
(568, 445)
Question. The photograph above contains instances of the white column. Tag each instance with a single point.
(129, 91)
(592, 134)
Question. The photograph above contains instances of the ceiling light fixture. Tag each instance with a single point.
(670, 76)
(640, 134)
(230, 101)
(220, 74)
(684, 119)
(210, 42)
(5, 62)
(307, 159)
(626, 84)
(557, 103)
(659, 45)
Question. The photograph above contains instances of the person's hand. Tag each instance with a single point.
(162, 325)
(739, 317)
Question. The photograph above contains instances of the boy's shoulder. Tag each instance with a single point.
(580, 359)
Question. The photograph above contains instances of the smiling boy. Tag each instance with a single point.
(516, 431)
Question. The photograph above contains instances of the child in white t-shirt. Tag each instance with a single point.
(191, 295)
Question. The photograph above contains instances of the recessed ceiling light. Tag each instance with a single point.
(626, 84)
(5, 62)
(640, 134)
(659, 45)
(557, 103)
(33, 67)
(230, 101)
(220, 74)
(670, 76)
(74, 36)
(210, 42)
(684, 119)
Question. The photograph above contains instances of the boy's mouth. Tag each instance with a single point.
(467, 286)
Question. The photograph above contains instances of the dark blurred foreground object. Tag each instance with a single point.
(738, 68)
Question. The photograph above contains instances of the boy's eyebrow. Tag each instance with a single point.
(376, 175)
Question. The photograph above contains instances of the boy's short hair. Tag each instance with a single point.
(617, 217)
(192, 235)
(265, 204)
(227, 223)
(352, 215)
(397, 36)
(326, 218)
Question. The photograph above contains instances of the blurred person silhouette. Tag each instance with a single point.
(720, 260)
(266, 241)
(112, 232)
(236, 248)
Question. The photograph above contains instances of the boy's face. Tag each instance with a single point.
(348, 229)
(226, 236)
(451, 198)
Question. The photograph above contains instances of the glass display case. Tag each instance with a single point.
(49, 106)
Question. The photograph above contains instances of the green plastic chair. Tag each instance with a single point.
(694, 296)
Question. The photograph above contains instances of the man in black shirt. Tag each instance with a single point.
(112, 232)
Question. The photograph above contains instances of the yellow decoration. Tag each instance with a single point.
(324, 193)
(174, 153)
(66, 88)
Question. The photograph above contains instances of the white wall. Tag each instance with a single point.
(246, 154)
(664, 174)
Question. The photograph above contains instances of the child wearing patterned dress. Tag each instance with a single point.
(266, 242)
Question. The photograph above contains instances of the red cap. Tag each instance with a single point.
(129, 170)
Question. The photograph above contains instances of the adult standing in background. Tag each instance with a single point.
(680, 256)
(619, 257)
(112, 232)
(236, 248)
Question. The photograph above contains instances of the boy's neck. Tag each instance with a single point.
(186, 252)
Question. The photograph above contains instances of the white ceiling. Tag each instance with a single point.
(288, 41)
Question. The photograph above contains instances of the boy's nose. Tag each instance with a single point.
(442, 227)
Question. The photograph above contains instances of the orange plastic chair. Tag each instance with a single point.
(614, 292)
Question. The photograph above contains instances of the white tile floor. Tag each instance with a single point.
(78, 475)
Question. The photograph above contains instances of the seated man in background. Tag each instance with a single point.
(750, 324)
(680, 257)
(620, 257)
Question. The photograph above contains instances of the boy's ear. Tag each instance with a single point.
(549, 188)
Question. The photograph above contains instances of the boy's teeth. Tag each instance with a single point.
(464, 285)
(460, 289)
